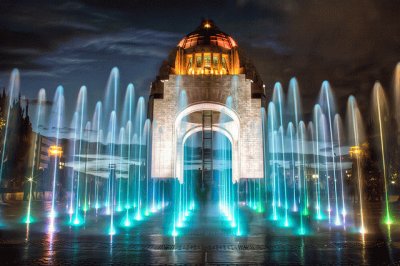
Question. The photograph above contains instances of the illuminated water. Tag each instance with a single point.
(312, 161)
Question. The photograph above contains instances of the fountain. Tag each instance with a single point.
(307, 163)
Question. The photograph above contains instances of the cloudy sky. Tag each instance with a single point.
(351, 43)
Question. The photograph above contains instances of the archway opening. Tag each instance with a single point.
(206, 167)
(213, 187)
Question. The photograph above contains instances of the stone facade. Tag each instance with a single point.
(207, 92)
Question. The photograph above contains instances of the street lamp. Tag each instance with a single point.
(55, 151)
(356, 152)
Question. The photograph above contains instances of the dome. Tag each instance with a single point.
(207, 34)
(208, 51)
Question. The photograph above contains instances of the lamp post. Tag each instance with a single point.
(55, 151)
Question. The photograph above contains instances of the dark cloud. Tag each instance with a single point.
(350, 43)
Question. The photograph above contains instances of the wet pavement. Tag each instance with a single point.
(206, 239)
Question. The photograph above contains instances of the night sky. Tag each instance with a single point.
(351, 43)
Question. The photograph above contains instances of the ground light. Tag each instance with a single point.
(127, 221)
(28, 219)
(77, 221)
(388, 220)
(111, 231)
(362, 230)
(138, 216)
(174, 232)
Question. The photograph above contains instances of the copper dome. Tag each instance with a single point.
(207, 34)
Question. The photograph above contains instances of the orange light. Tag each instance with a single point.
(207, 25)
(55, 151)
(355, 151)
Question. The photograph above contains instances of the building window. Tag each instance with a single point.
(190, 62)
(224, 65)
(215, 61)
(198, 60)
(207, 60)
(189, 66)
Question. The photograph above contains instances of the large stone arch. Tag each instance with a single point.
(231, 130)
(213, 93)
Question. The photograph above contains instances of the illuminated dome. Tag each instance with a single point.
(207, 51)
(207, 34)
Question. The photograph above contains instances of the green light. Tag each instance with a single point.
(127, 223)
(76, 221)
(174, 233)
(286, 224)
(302, 231)
(28, 220)
(179, 224)
(388, 220)
(112, 232)
(233, 224)
(138, 217)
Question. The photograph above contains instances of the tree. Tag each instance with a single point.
(18, 141)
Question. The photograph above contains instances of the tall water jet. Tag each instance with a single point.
(128, 116)
(338, 128)
(56, 123)
(40, 117)
(294, 104)
(86, 135)
(97, 127)
(328, 101)
(128, 177)
(111, 93)
(271, 135)
(129, 104)
(112, 128)
(323, 133)
(316, 140)
(121, 141)
(291, 136)
(81, 123)
(278, 100)
(303, 186)
(356, 135)
(285, 194)
(381, 119)
(139, 126)
(147, 139)
(75, 152)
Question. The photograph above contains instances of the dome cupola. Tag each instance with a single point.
(207, 34)
(207, 51)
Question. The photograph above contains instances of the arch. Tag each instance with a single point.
(232, 132)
